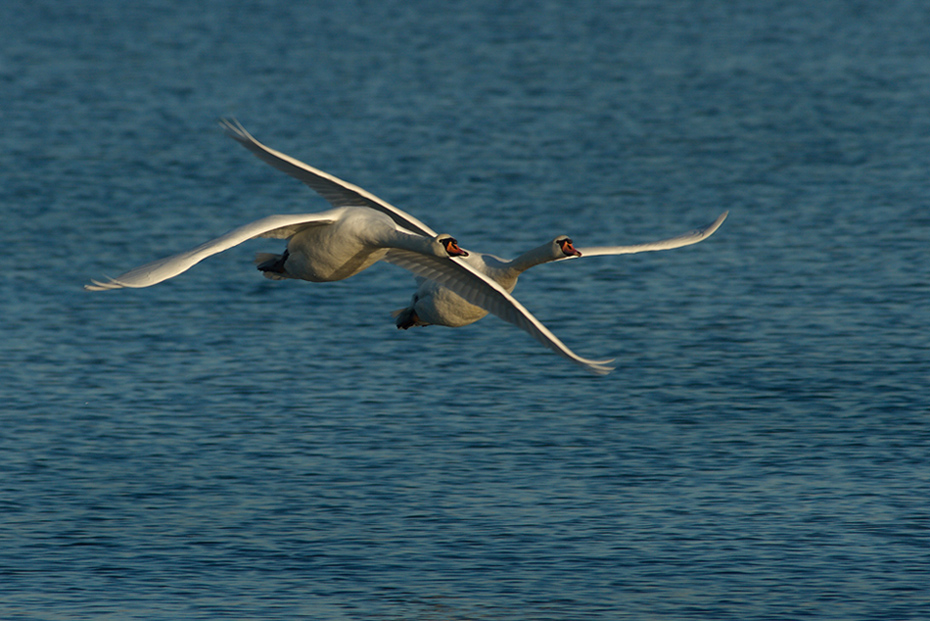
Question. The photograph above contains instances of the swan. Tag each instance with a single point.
(360, 230)
(322, 247)
(433, 304)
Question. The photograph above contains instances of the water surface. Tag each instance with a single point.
(222, 446)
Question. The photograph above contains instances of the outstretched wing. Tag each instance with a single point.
(163, 269)
(338, 192)
(691, 237)
(482, 291)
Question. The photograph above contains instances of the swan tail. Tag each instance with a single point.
(271, 265)
(407, 318)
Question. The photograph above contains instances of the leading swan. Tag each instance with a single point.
(433, 304)
(336, 244)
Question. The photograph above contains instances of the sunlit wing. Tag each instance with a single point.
(691, 237)
(338, 192)
(480, 290)
(282, 226)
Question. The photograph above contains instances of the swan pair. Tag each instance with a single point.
(455, 287)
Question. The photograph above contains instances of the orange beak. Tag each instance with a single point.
(452, 247)
(570, 250)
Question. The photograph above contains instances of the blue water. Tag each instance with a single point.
(226, 447)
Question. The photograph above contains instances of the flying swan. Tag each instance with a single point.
(434, 304)
(336, 244)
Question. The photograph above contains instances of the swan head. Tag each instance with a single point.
(451, 246)
(564, 248)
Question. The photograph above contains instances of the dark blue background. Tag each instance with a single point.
(222, 446)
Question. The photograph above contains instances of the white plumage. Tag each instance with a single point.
(433, 304)
(339, 243)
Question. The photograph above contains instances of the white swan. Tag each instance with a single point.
(433, 304)
(322, 247)
(341, 242)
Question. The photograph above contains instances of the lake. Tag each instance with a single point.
(225, 446)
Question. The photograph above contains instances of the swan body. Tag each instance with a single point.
(336, 244)
(355, 239)
(322, 247)
(433, 304)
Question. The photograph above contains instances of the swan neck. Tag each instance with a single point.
(532, 258)
(412, 242)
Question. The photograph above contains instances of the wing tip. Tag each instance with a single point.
(234, 129)
(112, 283)
(711, 228)
(598, 367)
(98, 286)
